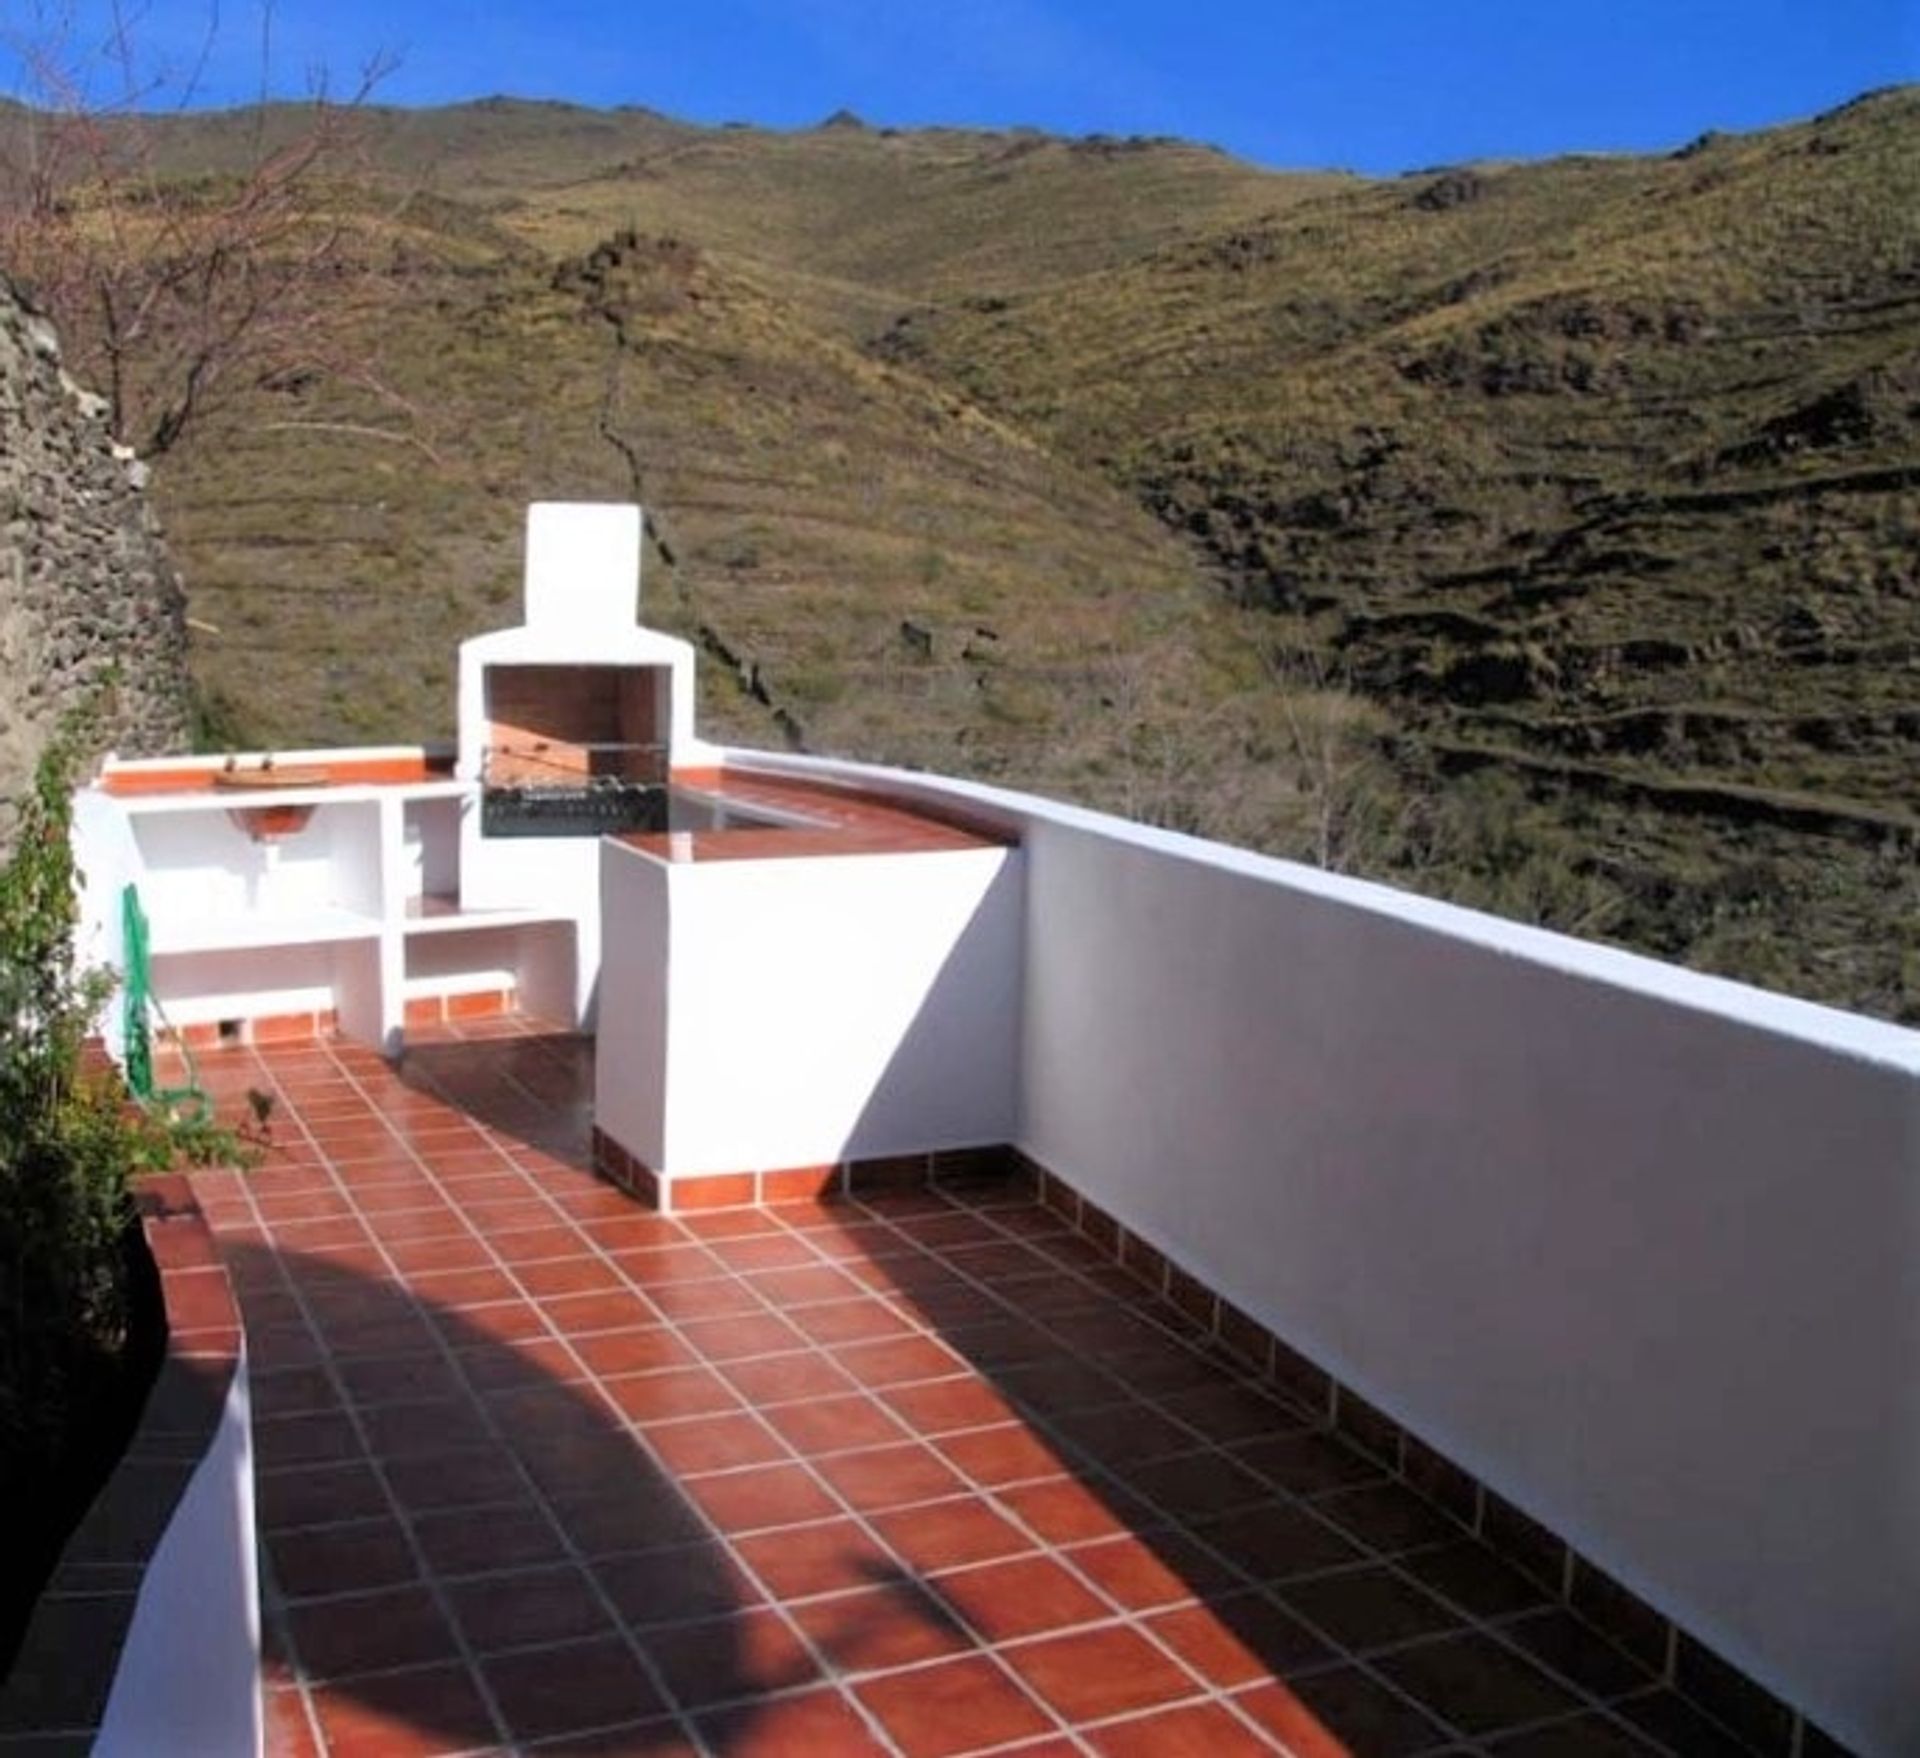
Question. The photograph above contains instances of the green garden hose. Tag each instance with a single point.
(188, 1103)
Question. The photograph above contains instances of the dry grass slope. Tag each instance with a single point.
(1542, 534)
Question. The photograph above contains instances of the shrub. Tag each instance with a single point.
(70, 1144)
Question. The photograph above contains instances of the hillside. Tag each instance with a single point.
(1542, 535)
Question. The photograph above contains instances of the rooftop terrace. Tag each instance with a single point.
(921, 1471)
(964, 1272)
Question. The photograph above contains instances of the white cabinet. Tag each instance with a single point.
(343, 920)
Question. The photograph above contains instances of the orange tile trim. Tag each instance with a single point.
(198, 777)
(1767, 1723)
(840, 821)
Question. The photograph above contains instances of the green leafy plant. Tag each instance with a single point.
(71, 1141)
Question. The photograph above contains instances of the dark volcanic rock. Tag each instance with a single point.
(87, 593)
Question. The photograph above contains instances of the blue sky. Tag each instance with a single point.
(1377, 85)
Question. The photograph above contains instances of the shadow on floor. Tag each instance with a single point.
(451, 1530)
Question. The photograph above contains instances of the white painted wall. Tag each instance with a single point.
(630, 1054)
(1639, 1248)
(810, 1010)
(188, 1683)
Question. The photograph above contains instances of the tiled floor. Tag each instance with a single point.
(918, 1475)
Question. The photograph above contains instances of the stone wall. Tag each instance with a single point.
(85, 584)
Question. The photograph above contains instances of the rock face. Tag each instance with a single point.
(86, 589)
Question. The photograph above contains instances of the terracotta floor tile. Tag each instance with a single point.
(430, 1425)
(737, 1336)
(435, 1481)
(1196, 1730)
(1338, 1713)
(1472, 1578)
(1585, 1736)
(714, 1442)
(452, 1251)
(1122, 1435)
(836, 1425)
(509, 1535)
(660, 1266)
(712, 1297)
(1063, 1510)
(567, 1275)
(669, 1393)
(484, 1327)
(879, 1628)
(324, 1438)
(944, 1535)
(367, 1632)
(951, 1707)
(828, 1556)
(1386, 1517)
(876, 1478)
(612, 1309)
(943, 1406)
(527, 1607)
(1579, 1655)
(849, 1321)
(405, 1714)
(532, 1245)
(745, 1655)
(1367, 1608)
(341, 1559)
(1059, 1385)
(285, 1728)
(1157, 1567)
(1020, 1596)
(636, 1351)
(685, 1584)
(808, 1724)
(746, 1223)
(804, 1285)
(1192, 1486)
(1306, 1463)
(629, 1518)
(316, 1495)
(1275, 1542)
(548, 1691)
(773, 1250)
(760, 1496)
(1008, 1454)
(399, 1379)
(787, 1379)
(1475, 1683)
(1088, 1675)
(1677, 1725)
(1232, 1412)
(293, 1391)
(633, 1228)
(1238, 1639)
(894, 1361)
(531, 1361)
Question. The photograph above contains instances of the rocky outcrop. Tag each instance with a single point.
(90, 606)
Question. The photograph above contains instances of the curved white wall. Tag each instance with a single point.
(188, 1681)
(1639, 1248)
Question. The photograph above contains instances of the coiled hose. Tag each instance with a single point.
(188, 1103)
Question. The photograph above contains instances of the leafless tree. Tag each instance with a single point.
(175, 292)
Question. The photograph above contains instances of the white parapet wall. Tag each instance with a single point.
(1638, 1248)
(766, 1015)
(188, 1679)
